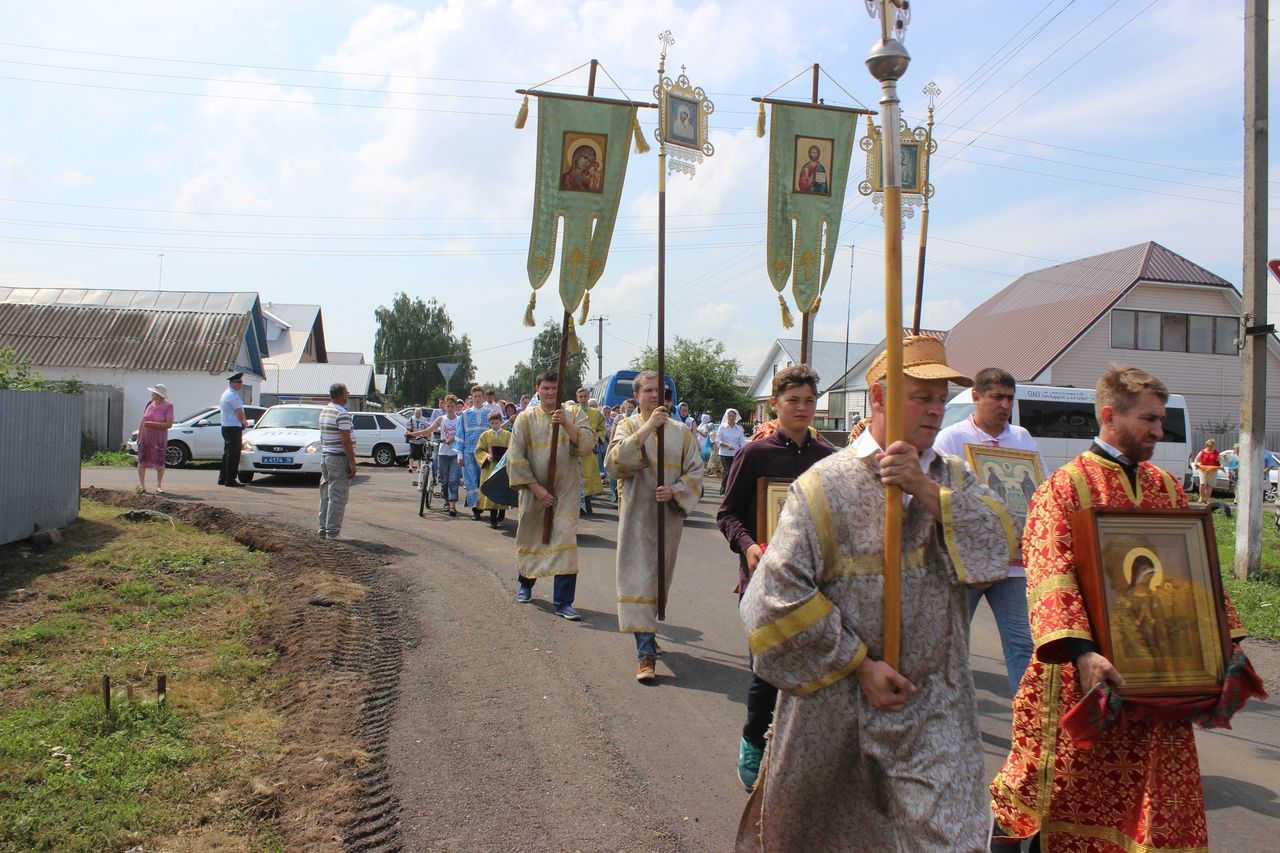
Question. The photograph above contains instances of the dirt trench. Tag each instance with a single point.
(337, 628)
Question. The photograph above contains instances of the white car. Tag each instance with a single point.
(287, 441)
(196, 437)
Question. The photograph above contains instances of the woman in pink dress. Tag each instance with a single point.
(153, 437)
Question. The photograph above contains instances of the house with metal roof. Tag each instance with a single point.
(829, 359)
(848, 398)
(1143, 305)
(130, 339)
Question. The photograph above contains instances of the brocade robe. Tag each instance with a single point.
(471, 423)
(484, 455)
(1138, 787)
(531, 461)
(591, 482)
(635, 468)
(839, 775)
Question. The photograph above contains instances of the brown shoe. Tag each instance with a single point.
(644, 671)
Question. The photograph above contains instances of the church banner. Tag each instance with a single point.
(583, 145)
(809, 151)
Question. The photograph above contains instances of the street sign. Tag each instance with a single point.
(447, 369)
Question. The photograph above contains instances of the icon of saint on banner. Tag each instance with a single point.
(812, 165)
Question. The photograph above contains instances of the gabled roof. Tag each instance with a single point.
(95, 336)
(855, 378)
(827, 360)
(310, 378)
(1028, 325)
(299, 324)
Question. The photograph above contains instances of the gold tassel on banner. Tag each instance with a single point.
(528, 310)
(575, 346)
(586, 308)
(759, 124)
(642, 146)
(523, 115)
(787, 322)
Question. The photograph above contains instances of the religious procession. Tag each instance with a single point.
(863, 559)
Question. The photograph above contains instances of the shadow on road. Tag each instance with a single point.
(1223, 793)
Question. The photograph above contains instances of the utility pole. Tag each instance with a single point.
(599, 321)
(1253, 353)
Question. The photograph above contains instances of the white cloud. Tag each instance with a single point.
(71, 178)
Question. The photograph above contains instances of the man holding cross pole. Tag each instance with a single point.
(530, 472)
(632, 461)
(864, 755)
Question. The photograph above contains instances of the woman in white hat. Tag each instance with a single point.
(153, 437)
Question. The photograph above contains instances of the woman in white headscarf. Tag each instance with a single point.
(729, 440)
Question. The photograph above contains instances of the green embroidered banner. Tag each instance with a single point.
(809, 151)
(582, 160)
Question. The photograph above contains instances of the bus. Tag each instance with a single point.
(1063, 422)
(616, 387)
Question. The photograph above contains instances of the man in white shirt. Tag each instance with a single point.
(993, 392)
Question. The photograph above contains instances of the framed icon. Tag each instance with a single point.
(1014, 475)
(582, 159)
(1154, 597)
(812, 167)
(771, 494)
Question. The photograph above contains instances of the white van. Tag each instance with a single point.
(1063, 423)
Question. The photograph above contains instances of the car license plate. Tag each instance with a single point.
(277, 460)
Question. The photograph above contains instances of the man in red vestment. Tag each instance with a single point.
(1138, 786)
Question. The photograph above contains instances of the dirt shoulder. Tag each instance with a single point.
(334, 623)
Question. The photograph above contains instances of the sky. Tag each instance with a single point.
(338, 153)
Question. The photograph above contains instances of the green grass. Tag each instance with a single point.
(1257, 600)
(133, 601)
(111, 459)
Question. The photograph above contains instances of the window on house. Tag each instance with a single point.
(1153, 330)
(1148, 330)
(1122, 330)
(1173, 332)
(1200, 334)
(1224, 337)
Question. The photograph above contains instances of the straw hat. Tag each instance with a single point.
(923, 357)
(159, 390)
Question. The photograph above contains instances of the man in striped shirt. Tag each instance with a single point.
(338, 462)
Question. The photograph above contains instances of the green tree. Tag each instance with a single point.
(705, 377)
(412, 339)
(545, 356)
(17, 375)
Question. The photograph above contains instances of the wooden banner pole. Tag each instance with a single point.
(662, 331)
(561, 367)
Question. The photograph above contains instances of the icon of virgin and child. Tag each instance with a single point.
(585, 172)
(1152, 620)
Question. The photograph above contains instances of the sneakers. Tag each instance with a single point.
(338, 537)
(644, 669)
(749, 756)
(567, 612)
(524, 595)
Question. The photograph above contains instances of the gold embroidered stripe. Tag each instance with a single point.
(637, 599)
(1078, 480)
(780, 630)
(1169, 486)
(949, 532)
(558, 549)
(1239, 633)
(1010, 537)
(862, 565)
(1051, 583)
(833, 677)
(1114, 836)
(1062, 634)
(816, 497)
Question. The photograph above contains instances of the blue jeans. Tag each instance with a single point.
(450, 473)
(562, 593)
(1008, 600)
(646, 644)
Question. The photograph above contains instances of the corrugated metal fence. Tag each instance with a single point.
(104, 416)
(39, 461)
(1226, 439)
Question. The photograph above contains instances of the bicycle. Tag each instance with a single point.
(426, 478)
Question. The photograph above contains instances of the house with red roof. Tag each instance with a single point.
(1143, 305)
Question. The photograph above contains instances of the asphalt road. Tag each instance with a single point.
(666, 752)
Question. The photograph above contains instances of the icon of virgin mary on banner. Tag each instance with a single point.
(583, 145)
(809, 151)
